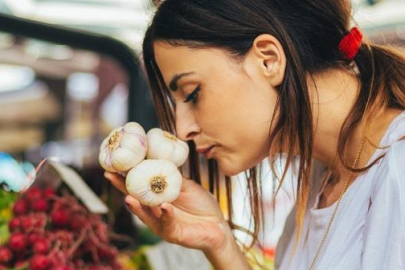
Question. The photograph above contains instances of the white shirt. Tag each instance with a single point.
(368, 231)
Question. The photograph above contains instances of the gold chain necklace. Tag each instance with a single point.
(346, 185)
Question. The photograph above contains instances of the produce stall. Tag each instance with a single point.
(50, 226)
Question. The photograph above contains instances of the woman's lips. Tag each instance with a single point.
(206, 151)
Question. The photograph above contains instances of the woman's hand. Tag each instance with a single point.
(193, 220)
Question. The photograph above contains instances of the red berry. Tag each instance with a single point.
(27, 223)
(6, 255)
(33, 194)
(79, 222)
(60, 218)
(49, 192)
(33, 238)
(42, 246)
(20, 207)
(14, 224)
(40, 205)
(40, 221)
(18, 242)
(39, 262)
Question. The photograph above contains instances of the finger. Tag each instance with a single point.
(110, 175)
(156, 211)
(167, 210)
(167, 224)
(117, 181)
(143, 212)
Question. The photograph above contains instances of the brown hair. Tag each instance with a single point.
(309, 31)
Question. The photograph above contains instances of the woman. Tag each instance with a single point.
(244, 80)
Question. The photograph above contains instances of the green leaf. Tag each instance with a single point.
(4, 233)
(140, 259)
(6, 198)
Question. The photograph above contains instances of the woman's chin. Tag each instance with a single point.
(231, 169)
(233, 166)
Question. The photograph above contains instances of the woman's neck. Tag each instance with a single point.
(333, 94)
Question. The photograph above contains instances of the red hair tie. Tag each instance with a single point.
(351, 43)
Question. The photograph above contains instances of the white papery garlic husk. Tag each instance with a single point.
(154, 181)
(124, 148)
(164, 145)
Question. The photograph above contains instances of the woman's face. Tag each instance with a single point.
(225, 107)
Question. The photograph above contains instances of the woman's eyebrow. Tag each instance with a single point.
(173, 83)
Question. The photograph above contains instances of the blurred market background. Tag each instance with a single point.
(62, 92)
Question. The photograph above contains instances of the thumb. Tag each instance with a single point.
(168, 224)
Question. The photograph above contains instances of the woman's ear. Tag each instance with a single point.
(270, 56)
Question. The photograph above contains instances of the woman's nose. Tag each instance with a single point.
(186, 125)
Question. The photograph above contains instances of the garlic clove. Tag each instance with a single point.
(124, 159)
(131, 130)
(164, 145)
(124, 148)
(105, 157)
(106, 147)
(154, 182)
(180, 153)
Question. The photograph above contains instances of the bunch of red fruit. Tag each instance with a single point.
(51, 232)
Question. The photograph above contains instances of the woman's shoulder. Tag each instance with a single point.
(395, 159)
(390, 175)
(393, 149)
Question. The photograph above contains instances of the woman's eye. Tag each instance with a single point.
(193, 95)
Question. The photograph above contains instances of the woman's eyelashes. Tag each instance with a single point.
(193, 95)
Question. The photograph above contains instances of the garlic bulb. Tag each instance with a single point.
(164, 145)
(124, 148)
(154, 181)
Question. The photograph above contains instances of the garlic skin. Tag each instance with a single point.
(164, 145)
(124, 148)
(154, 181)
